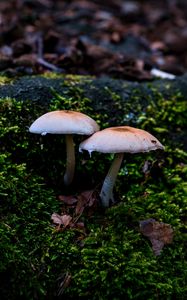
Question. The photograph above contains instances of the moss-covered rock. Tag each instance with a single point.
(110, 259)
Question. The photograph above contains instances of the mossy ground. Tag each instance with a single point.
(111, 260)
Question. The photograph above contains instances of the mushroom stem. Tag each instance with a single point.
(107, 189)
(70, 160)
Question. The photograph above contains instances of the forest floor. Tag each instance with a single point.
(121, 39)
(95, 57)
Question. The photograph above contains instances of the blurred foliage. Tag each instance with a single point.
(112, 260)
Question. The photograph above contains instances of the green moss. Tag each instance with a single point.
(112, 260)
(4, 80)
(77, 79)
(74, 98)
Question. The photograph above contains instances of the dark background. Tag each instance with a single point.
(120, 39)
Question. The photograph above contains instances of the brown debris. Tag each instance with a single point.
(64, 220)
(159, 234)
(73, 208)
(119, 39)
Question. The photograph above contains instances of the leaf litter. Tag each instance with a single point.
(73, 208)
(118, 39)
(159, 234)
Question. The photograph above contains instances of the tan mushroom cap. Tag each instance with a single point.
(121, 139)
(64, 122)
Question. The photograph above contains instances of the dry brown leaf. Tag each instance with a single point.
(89, 196)
(69, 200)
(64, 220)
(81, 204)
(158, 233)
(80, 225)
(85, 199)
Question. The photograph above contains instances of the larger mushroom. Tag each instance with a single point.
(68, 123)
(118, 140)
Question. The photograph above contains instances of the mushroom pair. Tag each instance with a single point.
(68, 123)
(110, 140)
(118, 140)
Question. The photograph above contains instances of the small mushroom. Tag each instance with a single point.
(68, 123)
(118, 140)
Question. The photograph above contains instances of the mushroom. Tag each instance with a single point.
(118, 140)
(68, 123)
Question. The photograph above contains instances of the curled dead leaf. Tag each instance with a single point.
(64, 220)
(85, 199)
(69, 200)
(159, 234)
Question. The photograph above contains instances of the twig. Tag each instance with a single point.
(40, 60)
(48, 65)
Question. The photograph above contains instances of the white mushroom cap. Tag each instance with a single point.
(64, 122)
(121, 139)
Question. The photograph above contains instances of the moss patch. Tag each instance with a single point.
(111, 260)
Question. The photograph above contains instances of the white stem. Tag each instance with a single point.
(107, 189)
(70, 160)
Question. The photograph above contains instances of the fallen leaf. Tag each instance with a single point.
(89, 196)
(81, 204)
(64, 220)
(80, 225)
(159, 234)
(85, 199)
(69, 200)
